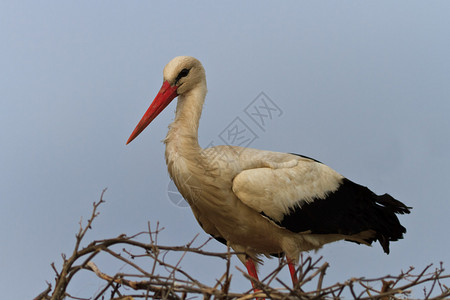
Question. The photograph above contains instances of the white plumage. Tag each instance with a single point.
(275, 188)
(262, 202)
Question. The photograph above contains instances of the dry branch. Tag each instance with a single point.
(164, 280)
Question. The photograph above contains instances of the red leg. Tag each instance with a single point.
(251, 268)
(292, 271)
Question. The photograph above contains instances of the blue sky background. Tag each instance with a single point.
(363, 86)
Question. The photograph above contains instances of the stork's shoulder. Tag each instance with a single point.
(240, 159)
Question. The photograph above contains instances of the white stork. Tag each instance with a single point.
(263, 202)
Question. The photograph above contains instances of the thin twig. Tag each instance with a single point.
(156, 277)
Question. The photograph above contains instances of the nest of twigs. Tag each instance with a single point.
(148, 283)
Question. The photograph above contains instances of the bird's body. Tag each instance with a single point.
(263, 202)
(213, 194)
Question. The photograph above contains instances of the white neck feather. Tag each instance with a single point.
(182, 138)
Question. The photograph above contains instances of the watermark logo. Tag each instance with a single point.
(175, 197)
(241, 131)
(237, 133)
(262, 110)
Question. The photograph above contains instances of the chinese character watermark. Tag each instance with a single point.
(262, 110)
(237, 133)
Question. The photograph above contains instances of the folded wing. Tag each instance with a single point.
(308, 196)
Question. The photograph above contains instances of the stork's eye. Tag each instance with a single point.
(183, 73)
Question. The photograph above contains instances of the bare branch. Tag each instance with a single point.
(161, 279)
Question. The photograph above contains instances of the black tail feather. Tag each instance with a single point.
(350, 210)
(393, 204)
(387, 226)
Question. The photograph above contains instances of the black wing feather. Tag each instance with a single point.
(349, 210)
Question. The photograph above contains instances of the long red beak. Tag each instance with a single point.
(165, 95)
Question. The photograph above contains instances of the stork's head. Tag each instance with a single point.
(181, 75)
(184, 72)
